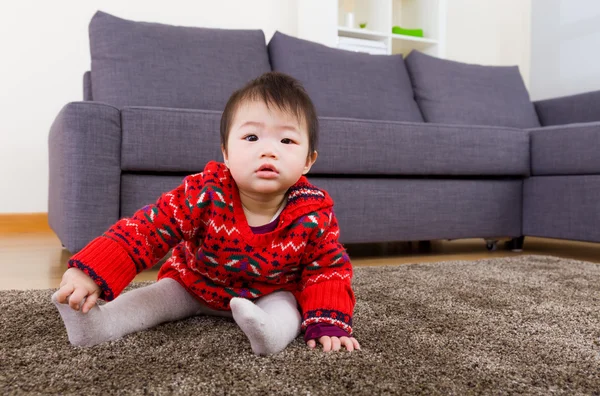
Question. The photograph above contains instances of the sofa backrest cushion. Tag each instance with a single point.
(151, 64)
(459, 93)
(347, 84)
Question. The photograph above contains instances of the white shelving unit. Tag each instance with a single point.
(361, 33)
(381, 15)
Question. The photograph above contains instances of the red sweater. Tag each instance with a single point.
(216, 255)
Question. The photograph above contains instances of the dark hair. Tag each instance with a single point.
(279, 90)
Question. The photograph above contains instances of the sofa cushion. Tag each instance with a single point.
(566, 150)
(151, 64)
(459, 93)
(347, 84)
(169, 140)
(361, 147)
(182, 140)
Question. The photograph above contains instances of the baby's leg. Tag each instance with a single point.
(270, 324)
(136, 310)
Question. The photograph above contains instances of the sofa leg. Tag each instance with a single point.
(516, 244)
(491, 245)
(424, 246)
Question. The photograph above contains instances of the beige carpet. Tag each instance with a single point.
(522, 325)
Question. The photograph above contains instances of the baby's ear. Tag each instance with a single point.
(310, 160)
(224, 152)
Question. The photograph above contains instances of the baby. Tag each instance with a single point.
(253, 240)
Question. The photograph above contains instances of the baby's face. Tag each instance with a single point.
(267, 149)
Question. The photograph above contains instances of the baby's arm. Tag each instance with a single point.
(326, 296)
(136, 243)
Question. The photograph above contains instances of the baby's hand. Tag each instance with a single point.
(76, 286)
(335, 343)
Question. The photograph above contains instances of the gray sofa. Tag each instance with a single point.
(410, 149)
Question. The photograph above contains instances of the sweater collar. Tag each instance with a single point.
(302, 198)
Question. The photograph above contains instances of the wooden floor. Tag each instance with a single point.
(37, 260)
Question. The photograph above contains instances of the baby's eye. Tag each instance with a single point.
(287, 141)
(251, 138)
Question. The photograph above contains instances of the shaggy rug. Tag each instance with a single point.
(521, 325)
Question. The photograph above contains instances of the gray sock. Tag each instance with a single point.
(136, 310)
(270, 324)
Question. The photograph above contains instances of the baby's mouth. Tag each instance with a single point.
(267, 171)
(267, 168)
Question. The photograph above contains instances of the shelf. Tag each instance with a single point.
(413, 38)
(381, 15)
(362, 33)
(371, 34)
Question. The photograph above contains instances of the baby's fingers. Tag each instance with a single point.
(335, 343)
(311, 344)
(64, 292)
(347, 342)
(76, 298)
(89, 303)
(326, 342)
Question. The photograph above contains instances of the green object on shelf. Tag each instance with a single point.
(407, 32)
(363, 25)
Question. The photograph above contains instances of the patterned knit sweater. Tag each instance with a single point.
(216, 255)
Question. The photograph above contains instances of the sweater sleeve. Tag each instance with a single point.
(326, 294)
(317, 330)
(136, 243)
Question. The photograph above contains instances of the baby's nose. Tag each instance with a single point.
(268, 154)
(269, 151)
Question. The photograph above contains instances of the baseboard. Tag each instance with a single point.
(23, 223)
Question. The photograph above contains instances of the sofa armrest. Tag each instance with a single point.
(572, 109)
(84, 159)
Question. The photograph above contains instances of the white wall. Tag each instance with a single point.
(564, 47)
(490, 32)
(317, 21)
(45, 51)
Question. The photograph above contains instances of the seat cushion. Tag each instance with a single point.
(169, 140)
(151, 64)
(459, 93)
(566, 150)
(362, 147)
(347, 84)
(180, 140)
